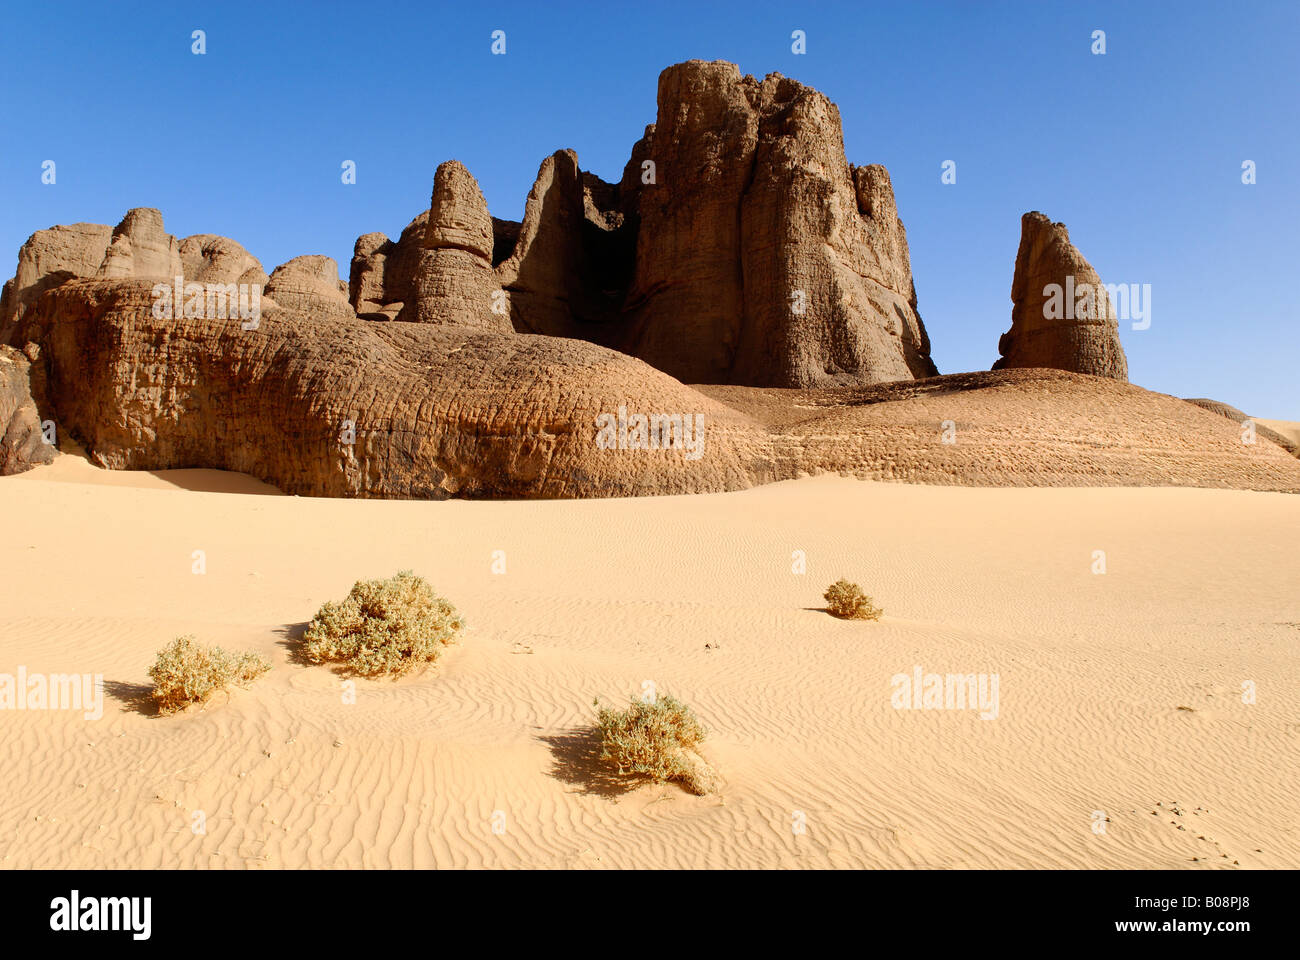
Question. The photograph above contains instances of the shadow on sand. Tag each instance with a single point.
(290, 635)
(575, 760)
(137, 697)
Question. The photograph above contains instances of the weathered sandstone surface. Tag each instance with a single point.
(310, 284)
(21, 444)
(453, 282)
(208, 258)
(763, 258)
(1240, 419)
(137, 247)
(1033, 427)
(1062, 330)
(48, 258)
(431, 411)
(140, 247)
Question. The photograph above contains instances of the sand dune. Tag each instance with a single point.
(1119, 693)
(1288, 428)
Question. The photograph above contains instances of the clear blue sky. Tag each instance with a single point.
(1139, 151)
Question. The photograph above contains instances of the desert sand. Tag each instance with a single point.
(1288, 428)
(1119, 693)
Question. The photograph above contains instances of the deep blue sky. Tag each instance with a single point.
(1138, 151)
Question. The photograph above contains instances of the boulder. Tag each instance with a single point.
(208, 258)
(309, 284)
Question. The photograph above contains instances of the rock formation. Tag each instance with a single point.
(48, 258)
(1061, 315)
(22, 445)
(1240, 419)
(739, 247)
(545, 271)
(310, 284)
(351, 408)
(739, 251)
(354, 408)
(760, 259)
(140, 247)
(453, 282)
(208, 258)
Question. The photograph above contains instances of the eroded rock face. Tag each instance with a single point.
(1061, 316)
(22, 445)
(739, 247)
(140, 247)
(760, 258)
(48, 258)
(453, 282)
(309, 284)
(554, 271)
(431, 410)
(208, 258)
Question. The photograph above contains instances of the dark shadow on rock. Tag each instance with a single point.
(134, 696)
(575, 757)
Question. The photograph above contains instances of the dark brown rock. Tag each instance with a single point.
(757, 260)
(22, 444)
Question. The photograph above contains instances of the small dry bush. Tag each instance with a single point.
(187, 672)
(383, 627)
(656, 740)
(847, 601)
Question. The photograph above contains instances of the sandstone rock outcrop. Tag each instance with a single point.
(48, 258)
(310, 284)
(567, 266)
(22, 445)
(432, 410)
(382, 276)
(1021, 428)
(1061, 316)
(454, 283)
(1240, 419)
(353, 408)
(208, 258)
(739, 250)
(760, 258)
(739, 247)
(140, 247)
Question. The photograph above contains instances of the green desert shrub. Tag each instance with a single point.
(187, 672)
(847, 601)
(383, 627)
(656, 740)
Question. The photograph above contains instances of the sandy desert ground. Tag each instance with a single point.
(1119, 693)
